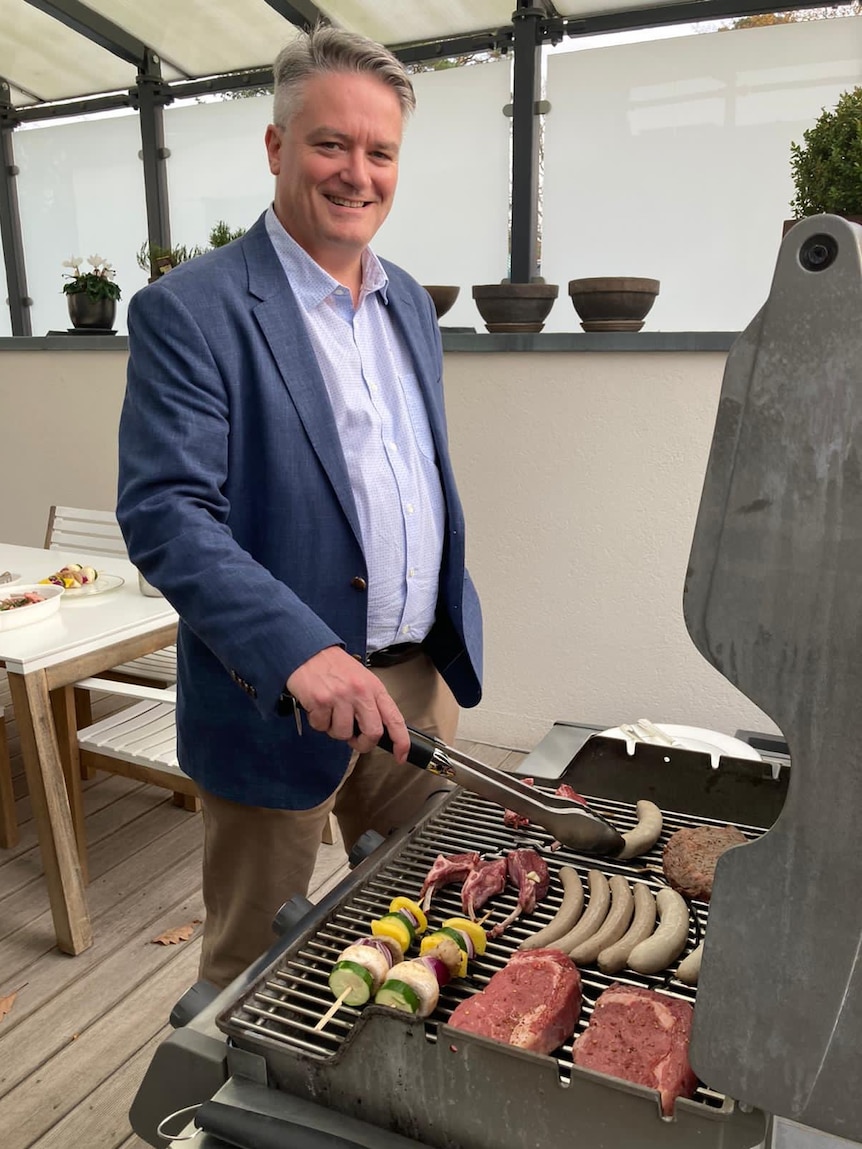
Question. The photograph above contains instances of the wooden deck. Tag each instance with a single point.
(82, 1030)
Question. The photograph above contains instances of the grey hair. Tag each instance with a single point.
(328, 49)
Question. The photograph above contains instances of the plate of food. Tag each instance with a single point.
(26, 603)
(82, 581)
(711, 742)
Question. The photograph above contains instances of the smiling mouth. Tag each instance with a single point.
(339, 201)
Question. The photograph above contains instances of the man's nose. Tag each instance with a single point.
(355, 170)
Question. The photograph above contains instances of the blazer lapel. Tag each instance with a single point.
(283, 328)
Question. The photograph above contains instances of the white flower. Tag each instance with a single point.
(73, 262)
(96, 260)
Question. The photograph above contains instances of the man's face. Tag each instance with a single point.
(336, 165)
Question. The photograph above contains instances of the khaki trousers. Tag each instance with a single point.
(255, 858)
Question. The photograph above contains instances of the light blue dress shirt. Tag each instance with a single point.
(385, 436)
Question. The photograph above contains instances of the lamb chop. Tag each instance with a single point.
(480, 885)
(445, 870)
(529, 874)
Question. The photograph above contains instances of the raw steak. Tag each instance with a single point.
(642, 1036)
(533, 1002)
(689, 857)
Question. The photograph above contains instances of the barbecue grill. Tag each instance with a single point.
(772, 600)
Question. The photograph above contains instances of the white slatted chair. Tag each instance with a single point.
(98, 533)
(139, 741)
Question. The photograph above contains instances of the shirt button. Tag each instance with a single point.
(409, 508)
(411, 573)
(405, 629)
(393, 446)
(359, 583)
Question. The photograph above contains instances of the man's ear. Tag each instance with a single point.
(273, 141)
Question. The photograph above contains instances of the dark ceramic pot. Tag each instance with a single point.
(613, 303)
(86, 312)
(515, 307)
(442, 297)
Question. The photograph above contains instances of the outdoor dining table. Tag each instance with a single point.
(43, 661)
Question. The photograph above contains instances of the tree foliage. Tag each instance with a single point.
(827, 165)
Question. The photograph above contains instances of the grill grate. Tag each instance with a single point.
(284, 1006)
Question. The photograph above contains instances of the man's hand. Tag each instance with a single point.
(336, 690)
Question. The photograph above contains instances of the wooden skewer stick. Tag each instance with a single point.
(336, 1005)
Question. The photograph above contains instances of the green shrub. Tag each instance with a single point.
(827, 166)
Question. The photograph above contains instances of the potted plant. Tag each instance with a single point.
(515, 308)
(613, 302)
(91, 295)
(827, 165)
(157, 260)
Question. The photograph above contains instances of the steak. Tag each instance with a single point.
(533, 1002)
(642, 1036)
(689, 857)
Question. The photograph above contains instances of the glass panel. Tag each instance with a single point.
(671, 159)
(80, 192)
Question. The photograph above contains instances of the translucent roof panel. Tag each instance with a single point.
(204, 37)
(403, 21)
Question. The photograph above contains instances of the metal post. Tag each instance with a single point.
(10, 220)
(150, 97)
(527, 22)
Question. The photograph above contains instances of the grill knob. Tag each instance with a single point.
(365, 846)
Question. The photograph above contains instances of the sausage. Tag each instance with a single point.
(668, 941)
(645, 834)
(567, 914)
(612, 928)
(614, 958)
(688, 970)
(596, 912)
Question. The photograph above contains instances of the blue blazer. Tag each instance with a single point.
(235, 501)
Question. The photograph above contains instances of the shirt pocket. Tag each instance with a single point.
(418, 415)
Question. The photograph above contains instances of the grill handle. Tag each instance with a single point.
(246, 1129)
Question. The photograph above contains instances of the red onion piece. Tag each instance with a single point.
(439, 968)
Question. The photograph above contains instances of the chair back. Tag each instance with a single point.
(78, 528)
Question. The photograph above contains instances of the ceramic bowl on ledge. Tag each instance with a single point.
(613, 303)
(514, 308)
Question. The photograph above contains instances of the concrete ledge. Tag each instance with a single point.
(453, 340)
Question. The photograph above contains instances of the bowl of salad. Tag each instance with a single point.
(26, 603)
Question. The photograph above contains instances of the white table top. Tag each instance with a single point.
(82, 625)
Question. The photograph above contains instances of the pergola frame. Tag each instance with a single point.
(535, 24)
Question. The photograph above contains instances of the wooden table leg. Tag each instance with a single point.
(9, 833)
(63, 704)
(50, 802)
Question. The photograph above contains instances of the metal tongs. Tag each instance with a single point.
(571, 823)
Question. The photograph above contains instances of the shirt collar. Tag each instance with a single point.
(310, 283)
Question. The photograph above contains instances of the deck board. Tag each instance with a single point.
(83, 1030)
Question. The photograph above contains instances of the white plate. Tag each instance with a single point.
(10, 581)
(103, 583)
(34, 611)
(696, 738)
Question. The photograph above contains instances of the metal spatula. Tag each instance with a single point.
(571, 823)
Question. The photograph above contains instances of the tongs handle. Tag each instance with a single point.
(422, 748)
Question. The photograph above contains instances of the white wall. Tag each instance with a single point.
(671, 159)
(580, 475)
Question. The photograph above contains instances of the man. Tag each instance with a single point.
(285, 480)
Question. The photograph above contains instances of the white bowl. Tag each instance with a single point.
(34, 611)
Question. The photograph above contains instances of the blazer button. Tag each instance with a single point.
(359, 583)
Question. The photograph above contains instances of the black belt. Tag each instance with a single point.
(393, 655)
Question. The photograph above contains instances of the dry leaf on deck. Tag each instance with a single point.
(177, 934)
(6, 1004)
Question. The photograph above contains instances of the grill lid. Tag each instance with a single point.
(773, 602)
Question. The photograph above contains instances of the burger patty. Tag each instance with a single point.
(690, 855)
